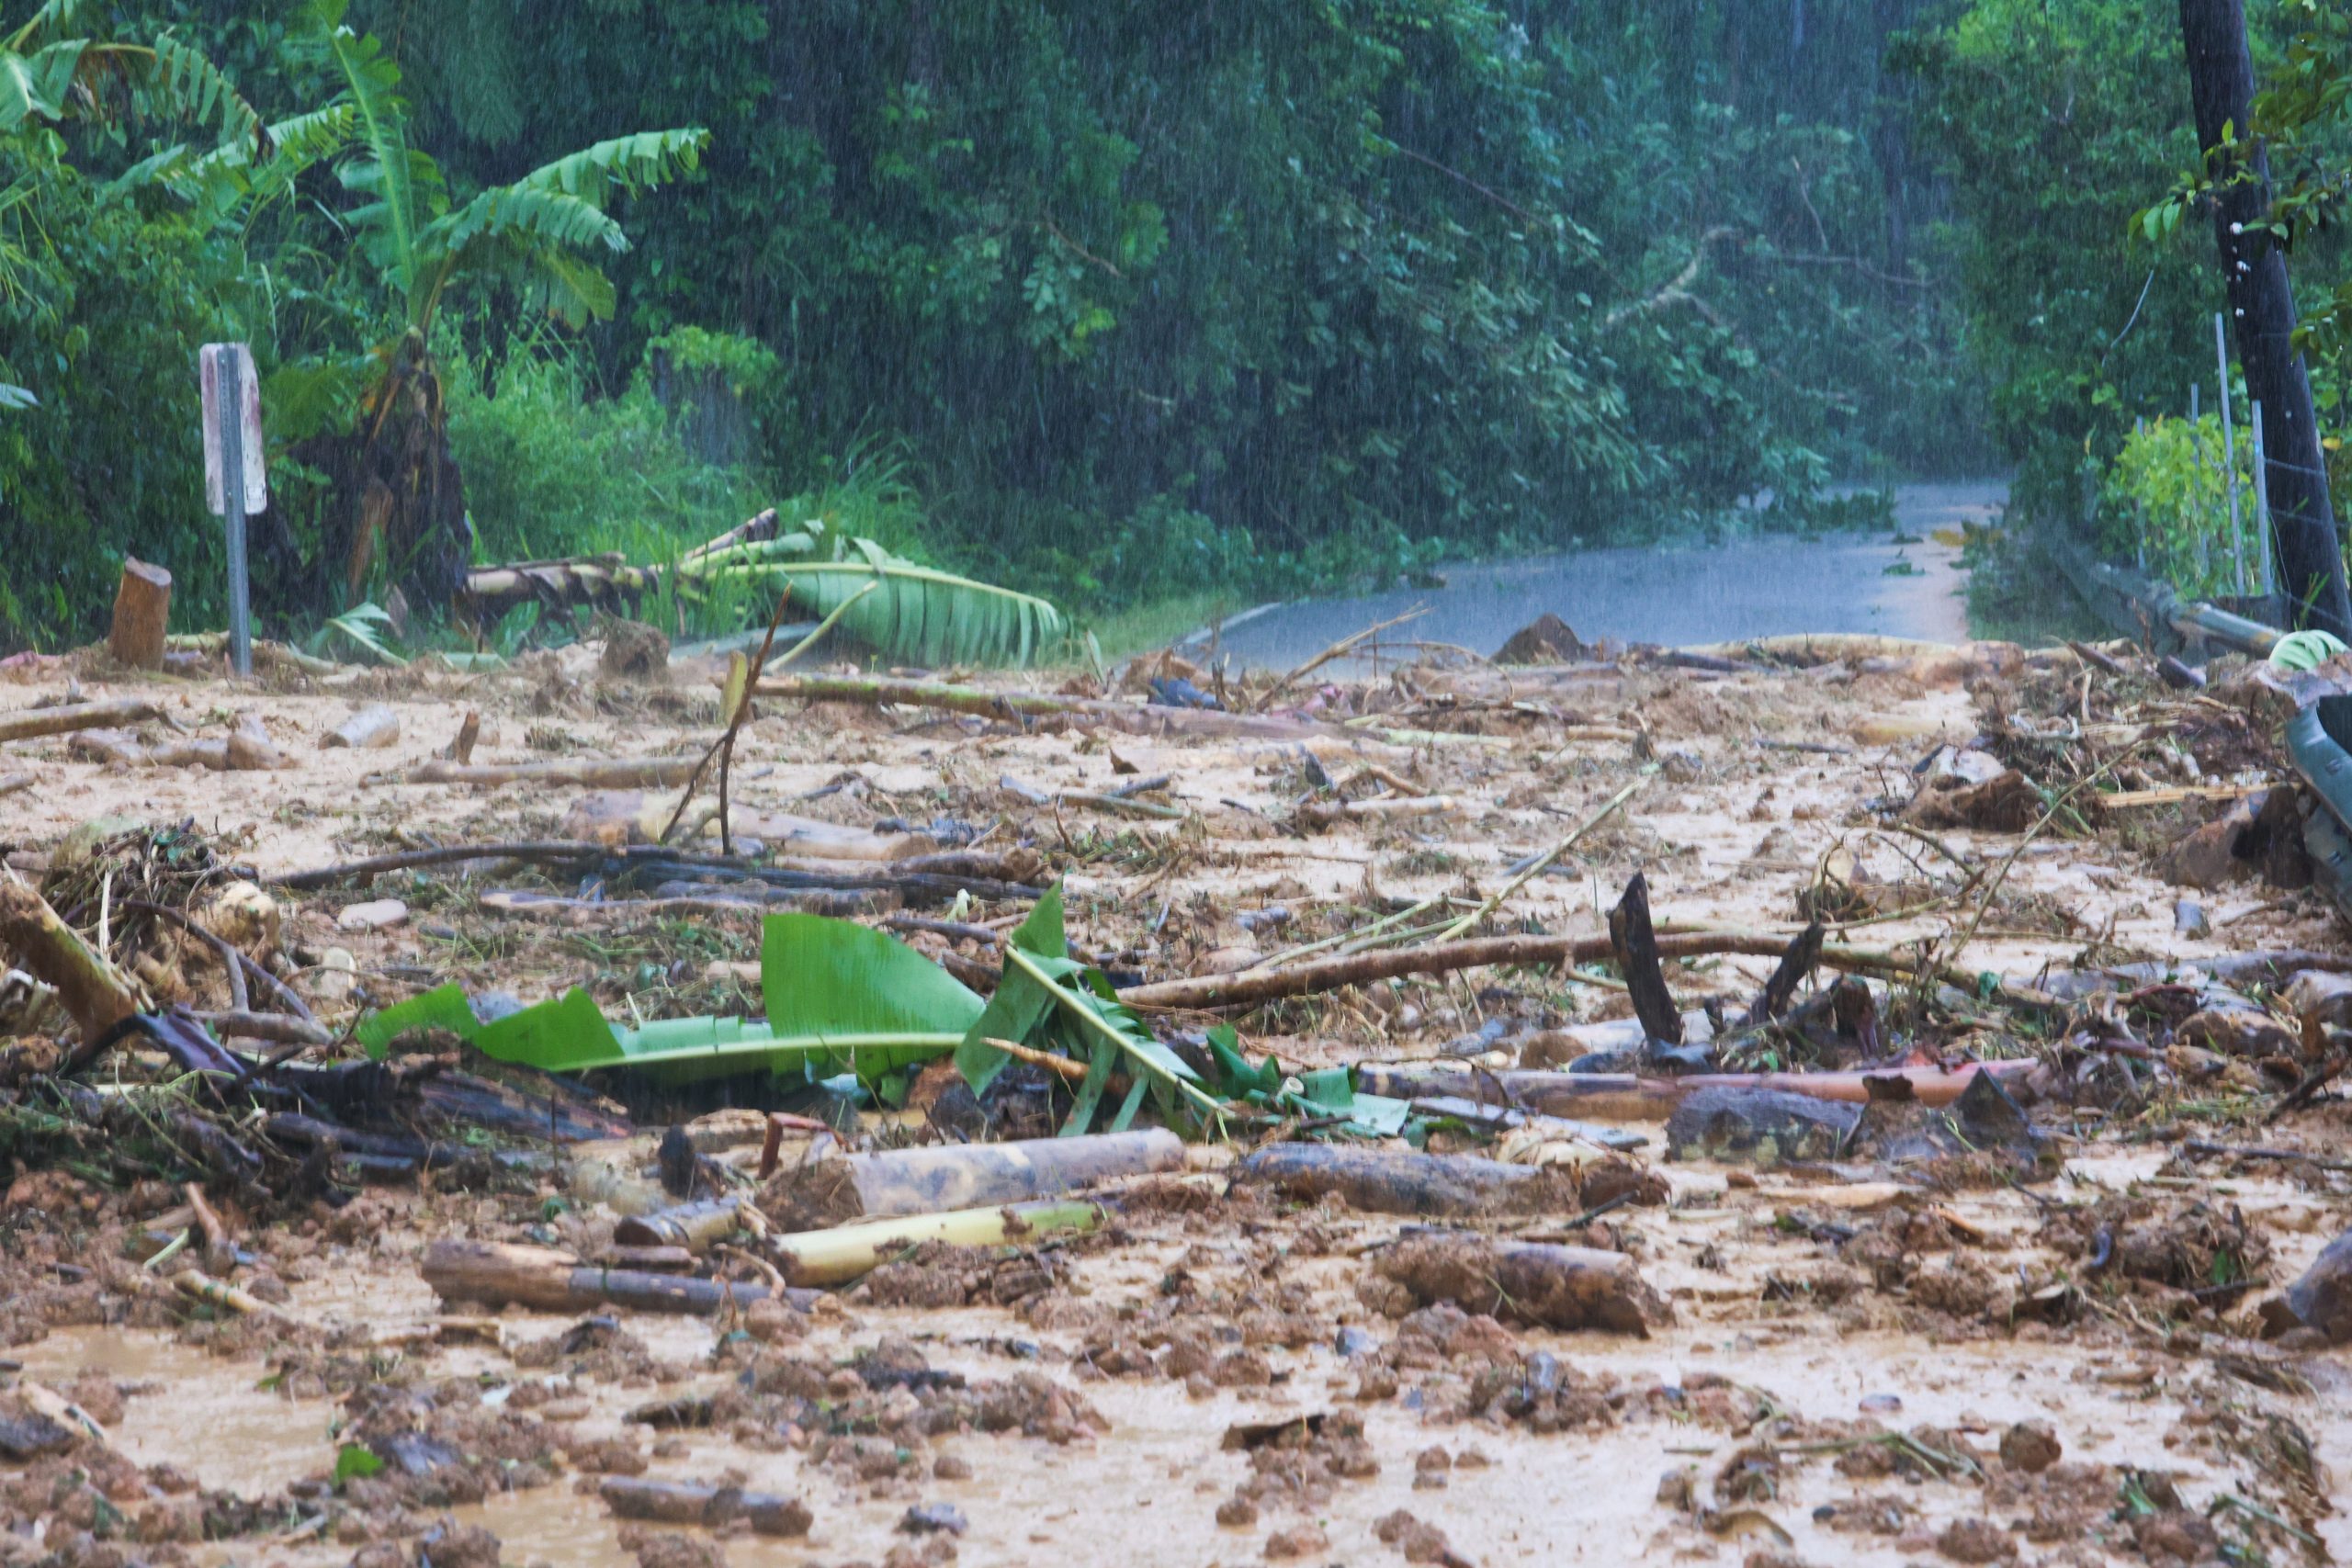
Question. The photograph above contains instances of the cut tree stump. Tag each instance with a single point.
(143, 603)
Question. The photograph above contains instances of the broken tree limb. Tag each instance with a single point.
(494, 1273)
(594, 773)
(94, 994)
(1625, 1096)
(1634, 942)
(1536, 1284)
(681, 1502)
(142, 605)
(26, 724)
(1148, 719)
(1805, 952)
(960, 1176)
(1251, 987)
(369, 729)
(849, 1252)
(1402, 1181)
(1339, 650)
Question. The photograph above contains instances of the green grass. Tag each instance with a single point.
(1155, 624)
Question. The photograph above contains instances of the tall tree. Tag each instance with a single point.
(2262, 313)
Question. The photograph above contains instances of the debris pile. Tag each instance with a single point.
(1891, 1092)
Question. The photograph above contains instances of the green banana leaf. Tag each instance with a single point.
(1324, 1092)
(842, 998)
(916, 612)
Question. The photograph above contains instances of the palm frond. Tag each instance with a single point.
(626, 164)
(38, 85)
(917, 612)
(185, 83)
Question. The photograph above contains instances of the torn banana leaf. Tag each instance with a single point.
(1050, 1001)
(1319, 1095)
(842, 998)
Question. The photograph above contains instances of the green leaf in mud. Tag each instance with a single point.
(840, 998)
(353, 1462)
(1020, 1005)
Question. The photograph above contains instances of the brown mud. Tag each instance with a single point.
(1850, 1353)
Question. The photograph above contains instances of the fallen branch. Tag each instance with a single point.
(595, 773)
(1254, 987)
(1337, 651)
(898, 1183)
(1323, 813)
(1624, 1097)
(26, 724)
(495, 1274)
(1540, 864)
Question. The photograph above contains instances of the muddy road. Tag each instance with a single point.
(1765, 587)
(2060, 1344)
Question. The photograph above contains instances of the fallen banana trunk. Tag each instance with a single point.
(849, 1252)
(1252, 986)
(1400, 1182)
(595, 773)
(683, 1503)
(829, 1191)
(1624, 1097)
(1536, 1284)
(1147, 718)
(495, 1274)
(26, 724)
(692, 1226)
(94, 994)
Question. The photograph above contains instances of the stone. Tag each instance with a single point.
(375, 915)
(1761, 1126)
(2322, 1299)
(2321, 1001)
(2031, 1445)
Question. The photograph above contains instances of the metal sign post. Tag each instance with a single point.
(235, 480)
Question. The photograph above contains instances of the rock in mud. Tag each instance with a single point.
(1542, 1286)
(1546, 640)
(2321, 1001)
(1763, 1126)
(2031, 1445)
(2322, 1299)
(1984, 1124)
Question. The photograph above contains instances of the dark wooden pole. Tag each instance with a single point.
(2262, 320)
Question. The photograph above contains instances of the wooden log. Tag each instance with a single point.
(1536, 1284)
(495, 1274)
(1401, 1181)
(693, 1226)
(94, 994)
(849, 1252)
(143, 604)
(594, 773)
(26, 724)
(1624, 1097)
(1144, 718)
(369, 729)
(959, 1175)
(683, 1503)
(1323, 813)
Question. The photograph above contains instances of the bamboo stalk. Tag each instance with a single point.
(1541, 863)
(845, 1253)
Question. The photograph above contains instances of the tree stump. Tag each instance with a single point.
(143, 603)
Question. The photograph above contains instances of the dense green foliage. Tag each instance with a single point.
(2090, 302)
(1136, 297)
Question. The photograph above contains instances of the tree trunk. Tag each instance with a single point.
(143, 603)
(2262, 318)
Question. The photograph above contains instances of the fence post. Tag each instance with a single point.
(2230, 457)
(2262, 501)
(2197, 495)
(235, 483)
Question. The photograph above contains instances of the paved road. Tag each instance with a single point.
(1750, 588)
